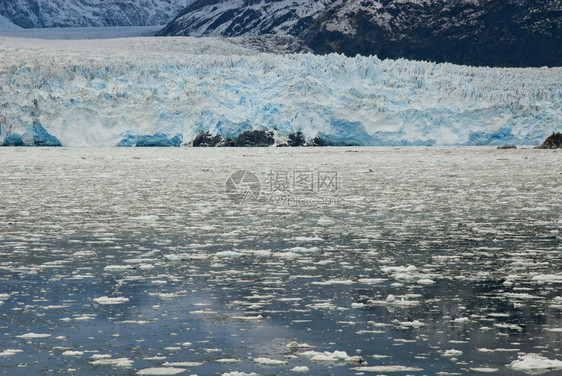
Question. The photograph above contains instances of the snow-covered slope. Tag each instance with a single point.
(81, 13)
(473, 32)
(230, 18)
(6, 25)
(136, 87)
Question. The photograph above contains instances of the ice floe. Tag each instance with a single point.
(117, 362)
(269, 362)
(161, 371)
(10, 352)
(33, 335)
(105, 300)
(535, 363)
(387, 369)
(332, 357)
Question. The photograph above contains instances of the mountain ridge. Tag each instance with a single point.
(84, 13)
(500, 33)
(245, 18)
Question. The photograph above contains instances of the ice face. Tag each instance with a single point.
(102, 93)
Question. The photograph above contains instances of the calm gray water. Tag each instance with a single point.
(419, 261)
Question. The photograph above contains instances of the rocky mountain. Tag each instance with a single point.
(80, 13)
(507, 33)
(230, 18)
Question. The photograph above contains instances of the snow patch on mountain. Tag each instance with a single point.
(174, 88)
(229, 18)
(6, 25)
(83, 13)
(506, 33)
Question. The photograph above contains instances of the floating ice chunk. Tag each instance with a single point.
(332, 357)
(237, 373)
(10, 352)
(54, 307)
(548, 278)
(520, 295)
(85, 254)
(33, 335)
(287, 255)
(534, 363)
(227, 360)
(72, 353)
(118, 268)
(147, 218)
(484, 369)
(117, 362)
(184, 257)
(371, 281)
(248, 318)
(461, 320)
(202, 311)
(101, 356)
(387, 369)
(357, 305)
(304, 249)
(224, 254)
(296, 345)
(157, 357)
(483, 349)
(269, 362)
(425, 281)
(105, 300)
(556, 302)
(508, 326)
(315, 238)
(168, 295)
(139, 322)
(300, 369)
(334, 282)
(85, 317)
(161, 371)
(324, 305)
(398, 269)
(452, 353)
(412, 324)
(325, 221)
(391, 300)
(554, 330)
(262, 253)
(182, 364)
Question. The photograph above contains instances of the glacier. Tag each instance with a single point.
(127, 91)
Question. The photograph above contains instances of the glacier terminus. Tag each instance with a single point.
(174, 88)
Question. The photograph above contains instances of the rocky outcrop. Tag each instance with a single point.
(552, 142)
(206, 139)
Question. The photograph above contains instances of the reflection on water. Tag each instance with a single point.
(431, 261)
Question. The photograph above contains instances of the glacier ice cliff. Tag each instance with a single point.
(126, 91)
